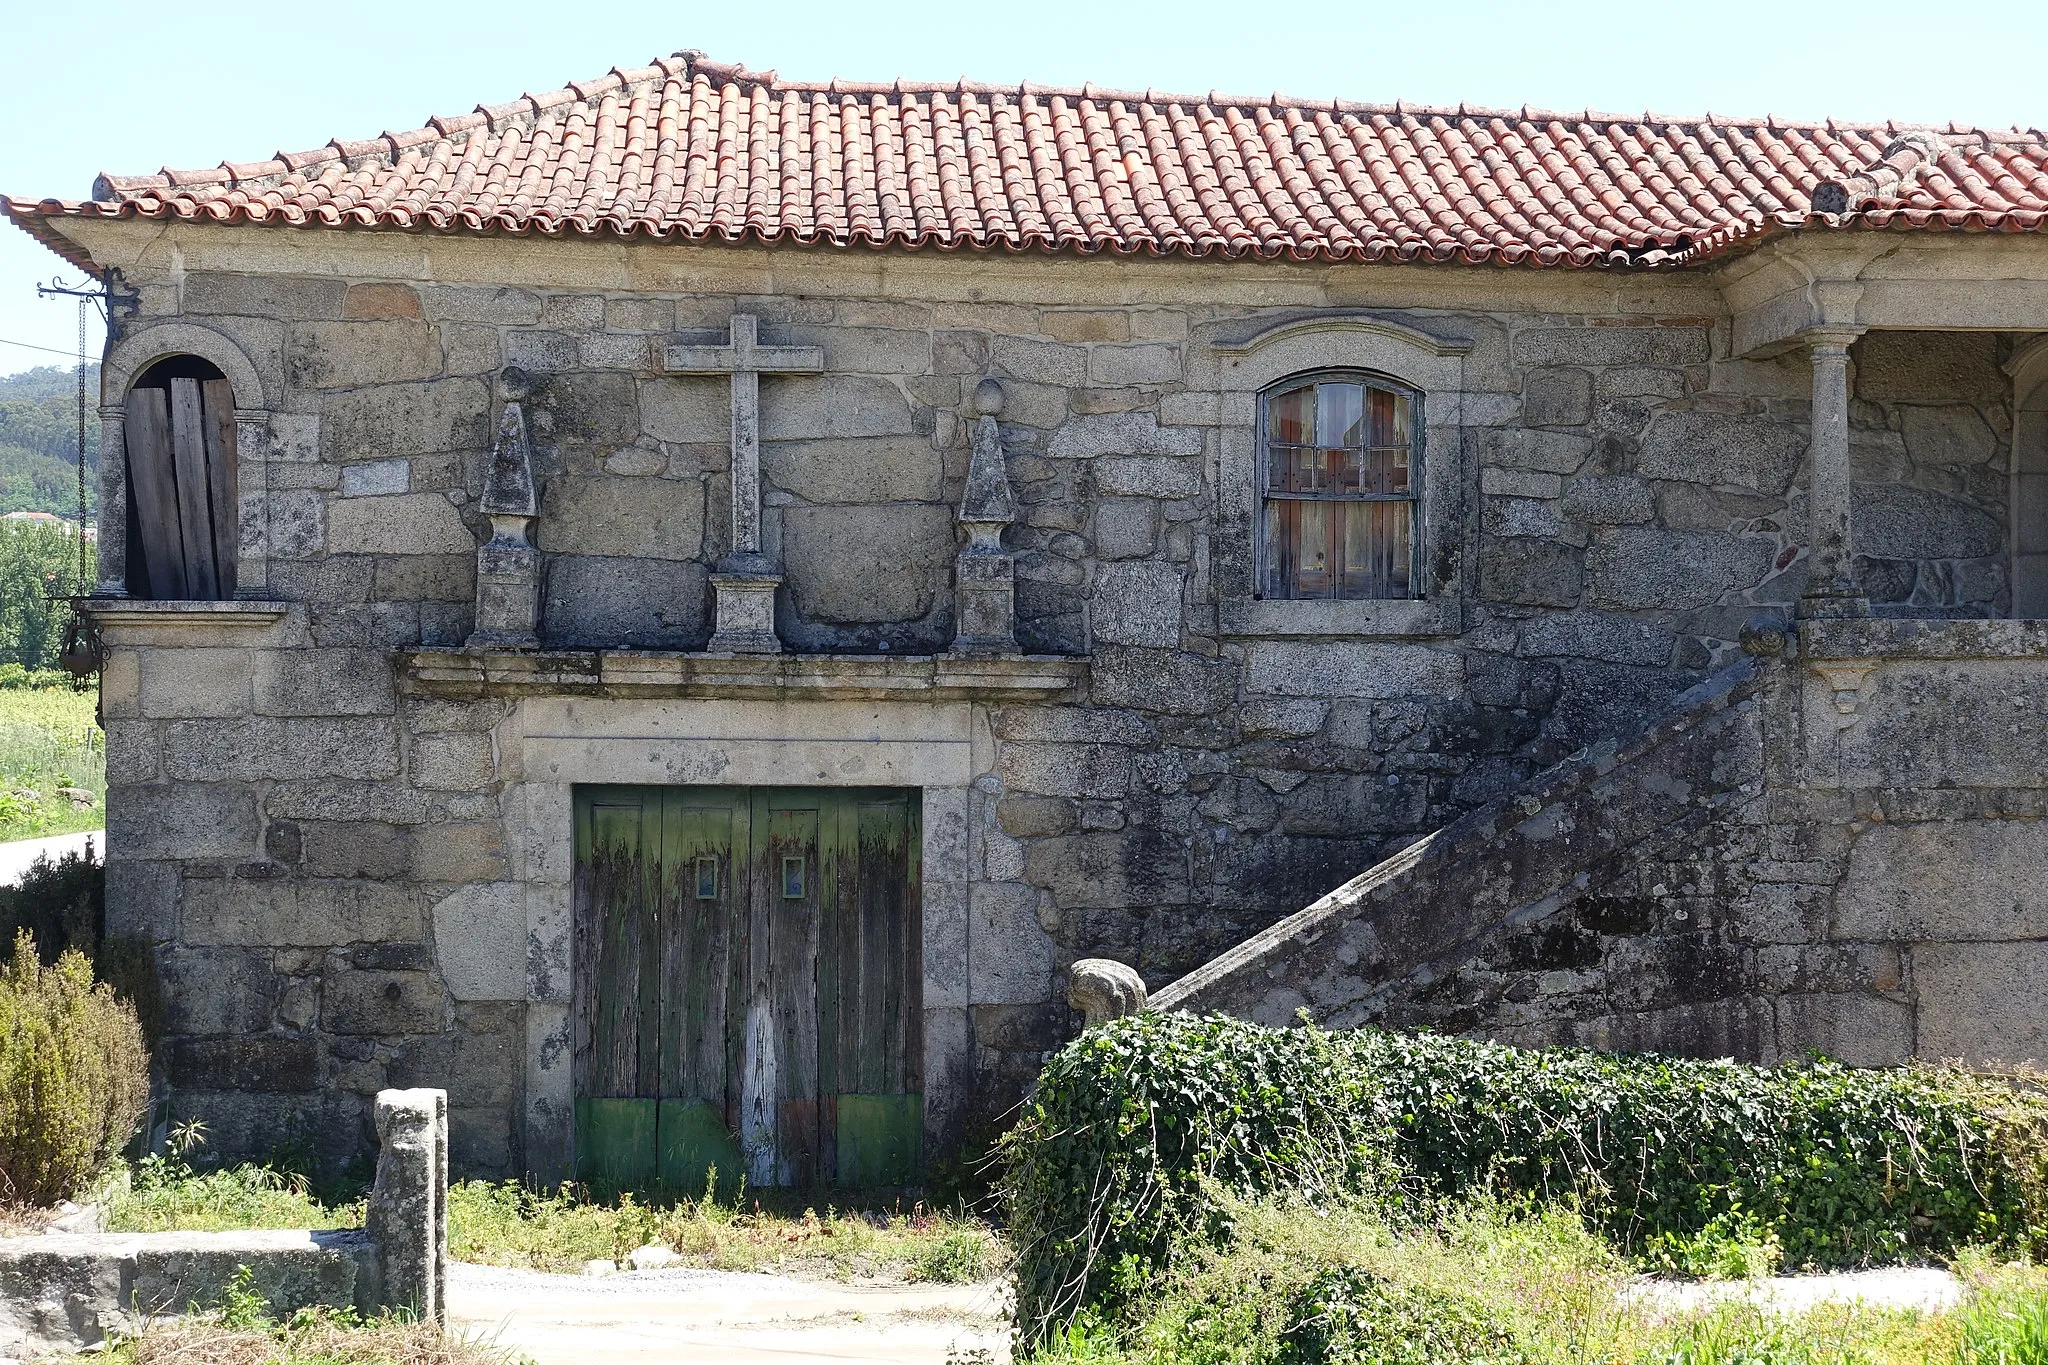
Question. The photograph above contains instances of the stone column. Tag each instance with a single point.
(407, 1216)
(508, 564)
(1831, 586)
(984, 574)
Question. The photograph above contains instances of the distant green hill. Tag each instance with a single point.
(39, 441)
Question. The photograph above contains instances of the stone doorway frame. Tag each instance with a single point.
(551, 744)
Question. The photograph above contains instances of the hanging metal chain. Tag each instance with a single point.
(80, 590)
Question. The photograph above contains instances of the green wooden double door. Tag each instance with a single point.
(748, 986)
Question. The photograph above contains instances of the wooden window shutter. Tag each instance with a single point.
(181, 481)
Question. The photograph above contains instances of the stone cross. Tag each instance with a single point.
(745, 581)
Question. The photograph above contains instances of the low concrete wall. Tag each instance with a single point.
(1843, 848)
(68, 1290)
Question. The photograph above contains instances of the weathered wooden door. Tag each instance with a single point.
(747, 986)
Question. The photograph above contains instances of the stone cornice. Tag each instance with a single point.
(633, 673)
(130, 614)
(1901, 638)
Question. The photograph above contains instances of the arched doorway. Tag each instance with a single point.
(182, 522)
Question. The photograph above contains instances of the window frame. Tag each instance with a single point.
(1265, 568)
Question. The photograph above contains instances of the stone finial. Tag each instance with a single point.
(1104, 989)
(407, 1215)
(985, 606)
(508, 564)
(508, 489)
(1906, 158)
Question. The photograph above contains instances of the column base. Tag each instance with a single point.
(745, 613)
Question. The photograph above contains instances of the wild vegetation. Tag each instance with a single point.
(53, 760)
(1126, 1164)
(73, 1076)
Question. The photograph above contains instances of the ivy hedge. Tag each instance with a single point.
(1137, 1124)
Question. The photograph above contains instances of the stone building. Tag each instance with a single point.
(676, 608)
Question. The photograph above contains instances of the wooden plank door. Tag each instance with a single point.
(180, 438)
(747, 986)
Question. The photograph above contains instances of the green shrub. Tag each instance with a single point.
(61, 905)
(1137, 1125)
(73, 1076)
(2006, 1326)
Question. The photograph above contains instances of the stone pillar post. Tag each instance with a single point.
(1831, 586)
(984, 574)
(508, 564)
(407, 1216)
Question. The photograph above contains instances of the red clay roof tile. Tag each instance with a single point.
(695, 150)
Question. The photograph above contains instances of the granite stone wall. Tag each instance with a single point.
(306, 845)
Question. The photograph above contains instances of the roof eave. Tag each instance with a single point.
(39, 223)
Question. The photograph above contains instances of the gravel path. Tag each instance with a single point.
(695, 1317)
(1922, 1287)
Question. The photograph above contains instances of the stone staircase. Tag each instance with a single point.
(1452, 929)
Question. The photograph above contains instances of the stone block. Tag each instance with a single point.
(640, 315)
(325, 682)
(1982, 1003)
(1136, 867)
(1282, 719)
(623, 518)
(353, 355)
(1074, 770)
(1930, 367)
(1030, 817)
(1139, 363)
(1122, 433)
(637, 461)
(1608, 501)
(478, 1062)
(1159, 324)
(480, 941)
(1332, 806)
(544, 352)
(1606, 346)
(1190, 410)
(498, 304)
(1551, 452)
(383, 1003)
(425, 578)
(1520, 517)
(1639, 568)
(193, 682)
(141, 900)
(831, 406)
(1899, 521)
(1349, 668)
(1040, 362)
(1964, 880)
(1074, 725)
(1592, 635)
(192, 819)
(1126, 528)
(1137, 603)
(863, 350)
(855, 565)
(450, 852)
(380, 300)
(290, 298)
(1085, 324)
(1557, 398)
(265, 1065)
(617, 602)
(280, 913)
(453, 762)
(406, 419)
(1519, 483)
(615, 351)
(572, 312)
(868, 470)
(216, 990)
(1161, 680)
(1723, 450)
(1856, 1028)
(259, 747)
(1531, 572)
(1641, 381)
(1149, 476)
(1011, 960)
(354, 848)
(374, 478)
(297, 525)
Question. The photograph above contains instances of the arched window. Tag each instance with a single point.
(1340, 461)
(182, 525)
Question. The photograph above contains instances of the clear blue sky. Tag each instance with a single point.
(193, 83)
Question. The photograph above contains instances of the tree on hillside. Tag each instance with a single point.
(35, 562)
(39, 440)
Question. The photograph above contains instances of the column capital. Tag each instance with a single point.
(1824, 339)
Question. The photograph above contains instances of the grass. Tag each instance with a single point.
(1485, 1282)
(50, 739)
(509, 1224)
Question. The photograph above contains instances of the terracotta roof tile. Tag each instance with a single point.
(691, 149)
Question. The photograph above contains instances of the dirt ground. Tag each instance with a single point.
(695, 1317)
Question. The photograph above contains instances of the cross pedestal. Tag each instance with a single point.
(745, 581)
